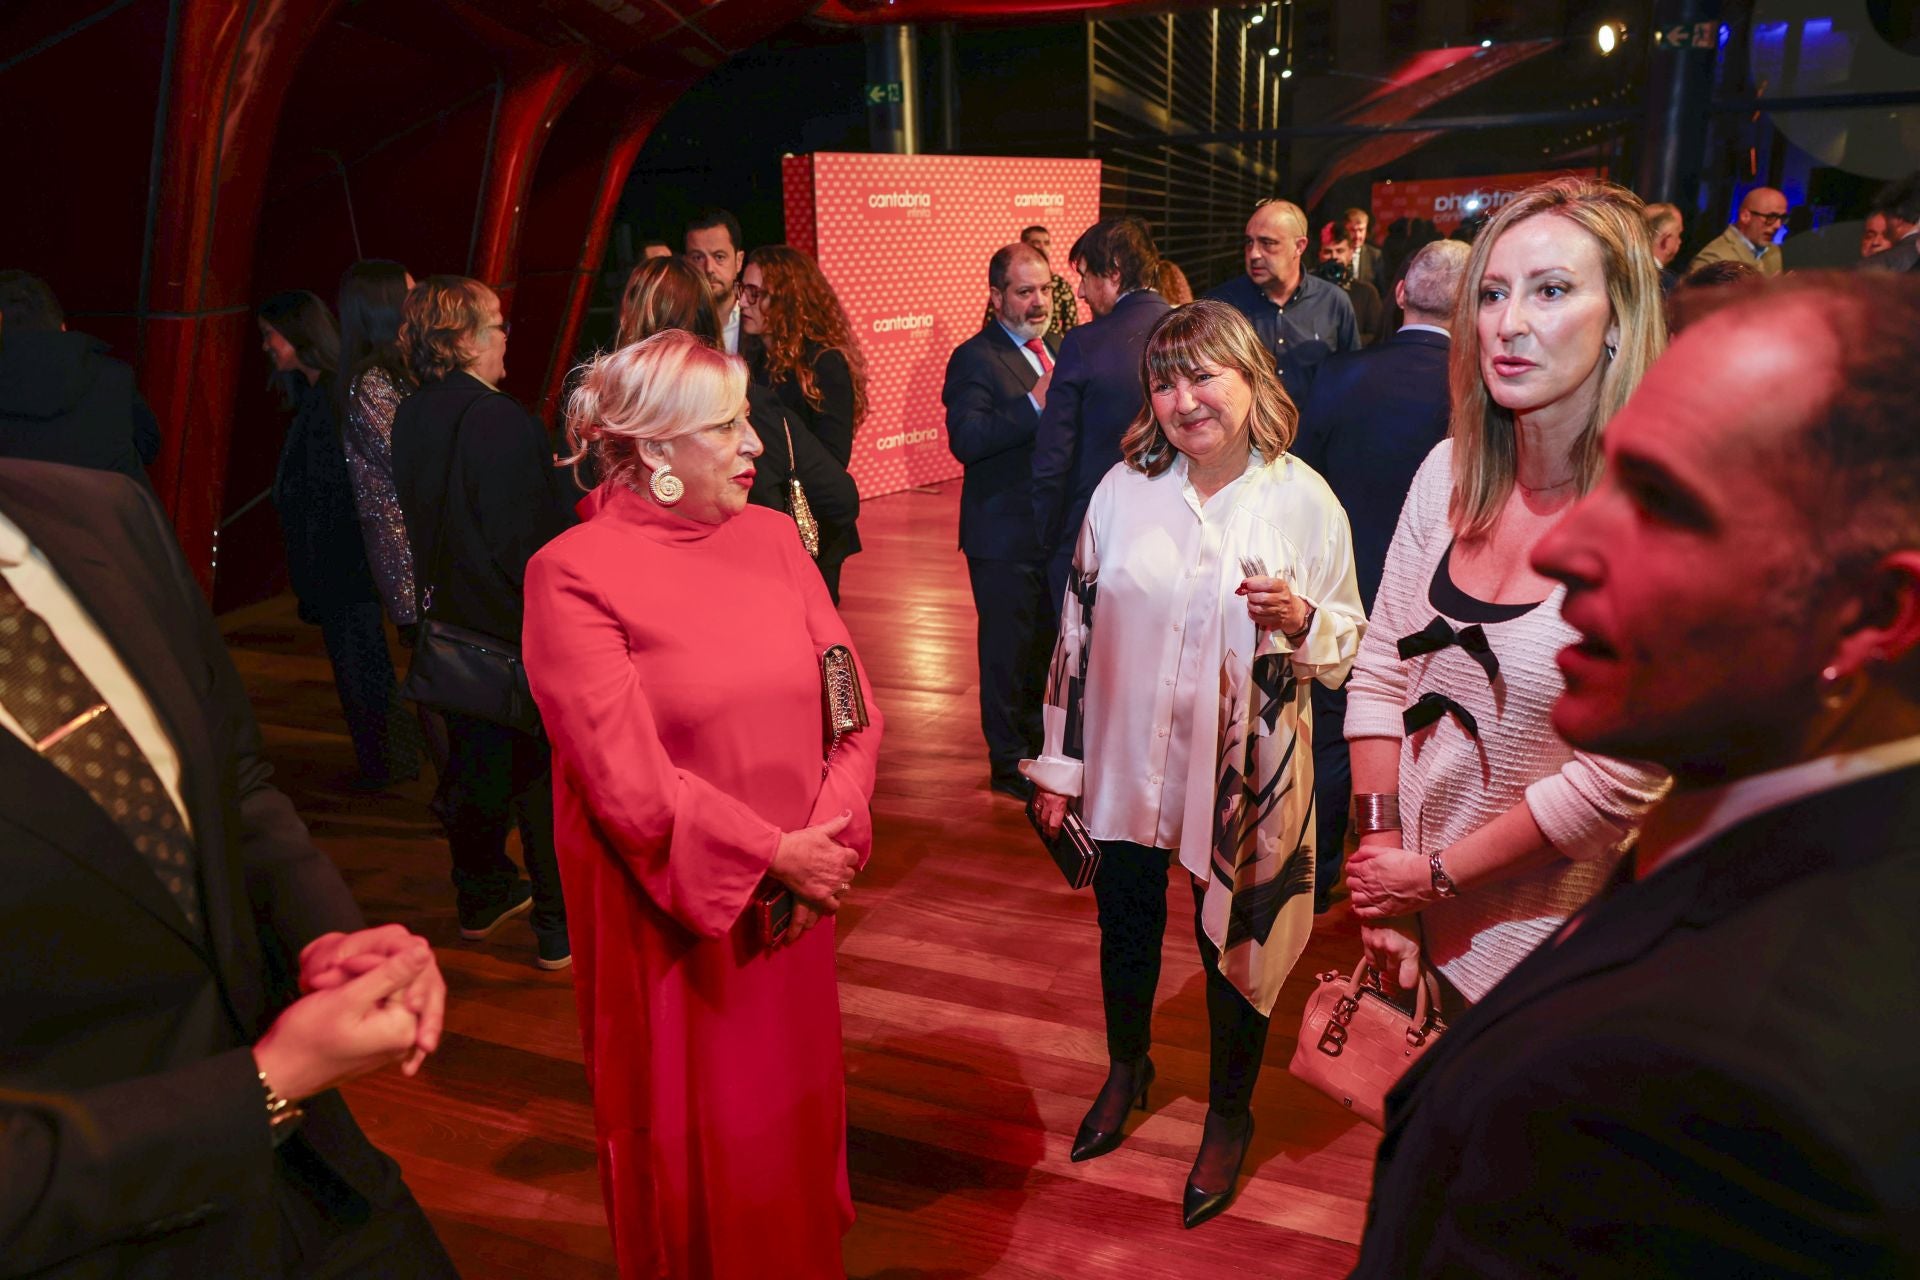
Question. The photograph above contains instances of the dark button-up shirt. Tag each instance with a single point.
(1316, 321)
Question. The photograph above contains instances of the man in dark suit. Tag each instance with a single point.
(1096, 390)
(184, 978)
(1898, 205)
(62, 398)
(1368, 262)
(1370, 421)
(1709, 1071)
(996, 386)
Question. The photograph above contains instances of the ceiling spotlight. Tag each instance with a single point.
(1610, 36)
(1274, 51)
(1259, 16)
(1286, 73)
(1486, 44)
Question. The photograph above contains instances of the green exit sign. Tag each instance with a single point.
(879, 95)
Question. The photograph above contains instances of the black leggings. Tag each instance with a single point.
(1131, 891)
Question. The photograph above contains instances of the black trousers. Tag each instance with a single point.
(386, 744)
(1015, 644)
(497, 778)
(328, 1232)
(1332, 788)
(1130, 890)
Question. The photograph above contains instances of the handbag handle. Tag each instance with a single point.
(425, 602)
(1426, 996)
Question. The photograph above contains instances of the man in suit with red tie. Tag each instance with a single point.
(996, 386)
(184, 978)
(1709, 1071)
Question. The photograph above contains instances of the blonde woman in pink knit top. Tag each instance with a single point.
(1481, 831)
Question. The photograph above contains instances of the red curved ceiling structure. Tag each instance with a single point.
(171, 162)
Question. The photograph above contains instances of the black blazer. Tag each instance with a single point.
(64, 399)
(831, 493)
(319, 519)
(1711, 1074)
(1370, 420)
(508, 499)
(990, 428)
(133, 1139)
(1094, 397)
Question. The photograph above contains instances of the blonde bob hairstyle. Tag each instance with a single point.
(1210, 334)
(440, 320)
(1485, 453)
(672, 384)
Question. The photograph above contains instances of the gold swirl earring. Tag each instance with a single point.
(667, 487)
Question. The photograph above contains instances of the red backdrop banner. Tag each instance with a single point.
(1446, 202)
(904, 240)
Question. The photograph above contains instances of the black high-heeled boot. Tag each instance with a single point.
(1227, 1142)
(1100, 1132)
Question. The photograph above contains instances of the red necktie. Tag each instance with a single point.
(1039, 347)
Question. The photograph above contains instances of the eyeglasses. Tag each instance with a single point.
(504, 327)
(752, 294)
(1766, 217)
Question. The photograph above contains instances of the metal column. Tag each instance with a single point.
(893, 89)
(1683, 43)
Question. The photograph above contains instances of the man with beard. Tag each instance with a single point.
(997, 383)
(714, 250)
(1709, 1070)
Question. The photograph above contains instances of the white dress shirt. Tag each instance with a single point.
(1032, 359)
(1166, 611)
(42, 591)
(730, 331)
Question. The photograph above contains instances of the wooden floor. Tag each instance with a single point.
(969, 985)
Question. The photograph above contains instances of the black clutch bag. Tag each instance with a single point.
(1073, 850)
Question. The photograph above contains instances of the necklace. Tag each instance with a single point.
(1542, 488)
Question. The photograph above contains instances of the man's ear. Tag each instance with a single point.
(1886, 626)
(1400, 294)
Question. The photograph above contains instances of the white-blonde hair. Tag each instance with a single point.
(671, 384)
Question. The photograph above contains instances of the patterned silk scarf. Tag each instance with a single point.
(1258, 907)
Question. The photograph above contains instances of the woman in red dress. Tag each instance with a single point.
(673, 642)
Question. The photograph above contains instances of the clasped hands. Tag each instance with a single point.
(818, 868)
(367, 999)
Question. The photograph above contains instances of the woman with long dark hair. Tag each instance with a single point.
(666, 293)
(804, 349)
(326, 559)
(374, 380)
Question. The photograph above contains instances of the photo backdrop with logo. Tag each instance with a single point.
(1446, 202)
(904, 240)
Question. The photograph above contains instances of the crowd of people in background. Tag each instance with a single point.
(1414, 573)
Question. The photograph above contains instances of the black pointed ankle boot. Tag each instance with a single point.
(1200, 1203)
(1125, 1080)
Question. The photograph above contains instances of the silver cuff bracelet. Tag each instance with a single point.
(1376, 811)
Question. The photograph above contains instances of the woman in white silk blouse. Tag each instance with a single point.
(1213, 582)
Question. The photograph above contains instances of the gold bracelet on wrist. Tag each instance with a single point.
(283, 1114)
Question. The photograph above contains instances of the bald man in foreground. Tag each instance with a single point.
(1709, 1070)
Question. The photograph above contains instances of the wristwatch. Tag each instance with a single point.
(283, 1115)
(1442, 882)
